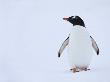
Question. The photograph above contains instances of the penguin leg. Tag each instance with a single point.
(74, 70)
(85, 69)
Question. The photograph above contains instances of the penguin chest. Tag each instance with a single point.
(80, 47)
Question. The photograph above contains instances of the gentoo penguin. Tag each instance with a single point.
(80, 45)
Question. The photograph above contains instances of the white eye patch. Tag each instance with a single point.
(73, 17)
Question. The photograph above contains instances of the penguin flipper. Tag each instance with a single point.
(65, 43)
(94, 45)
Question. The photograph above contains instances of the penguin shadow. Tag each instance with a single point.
(67, 71)
(100, 69)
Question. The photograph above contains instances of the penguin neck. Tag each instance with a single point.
(79, 26)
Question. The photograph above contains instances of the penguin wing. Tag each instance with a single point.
(94, 45)
(65, 43)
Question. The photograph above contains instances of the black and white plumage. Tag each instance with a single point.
(80, 45)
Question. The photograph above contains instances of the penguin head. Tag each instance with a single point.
(75, 20)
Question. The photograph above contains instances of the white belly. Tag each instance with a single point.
(80, 47)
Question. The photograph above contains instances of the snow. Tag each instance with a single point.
(32, 31)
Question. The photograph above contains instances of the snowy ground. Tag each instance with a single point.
(31, 32)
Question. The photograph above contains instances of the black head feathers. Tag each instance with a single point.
(75, 20)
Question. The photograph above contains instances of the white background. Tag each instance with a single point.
(32, 31)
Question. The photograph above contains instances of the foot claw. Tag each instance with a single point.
(71, 69)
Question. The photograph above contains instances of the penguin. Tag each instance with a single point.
(80, 44)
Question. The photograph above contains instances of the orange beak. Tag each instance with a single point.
(65, 18)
